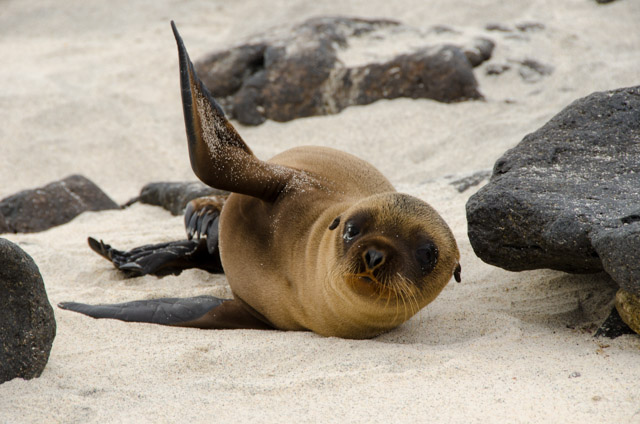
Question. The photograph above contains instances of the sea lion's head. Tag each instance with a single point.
(393, 254)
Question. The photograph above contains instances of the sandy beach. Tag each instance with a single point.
(92, 89)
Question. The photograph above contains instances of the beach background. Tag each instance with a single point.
(92, 88)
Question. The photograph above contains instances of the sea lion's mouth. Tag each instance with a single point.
(367, 285)
(367, 277)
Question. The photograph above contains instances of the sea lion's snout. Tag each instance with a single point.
(373, 258)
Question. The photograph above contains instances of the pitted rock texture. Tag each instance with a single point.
(568, 196)
(27, 323)
(327, 64)
(54, 204)
(174, 196)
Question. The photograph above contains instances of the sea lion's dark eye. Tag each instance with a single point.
(427, 256)
(350, 232)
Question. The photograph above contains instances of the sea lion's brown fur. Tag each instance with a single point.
(283, 260)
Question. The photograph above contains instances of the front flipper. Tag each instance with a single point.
(219, 156)
(197, 312)
(161, 259)
(201, 219)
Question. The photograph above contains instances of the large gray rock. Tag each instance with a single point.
(568, 196)
(27, 323)
(327, 64)
(54, 204)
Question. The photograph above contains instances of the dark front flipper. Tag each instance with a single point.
(161, 259)
(197, 312)
(219, 156)
(201, 219)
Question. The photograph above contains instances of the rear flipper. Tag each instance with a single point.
(201, 221)
(198, 312)
(161, 259)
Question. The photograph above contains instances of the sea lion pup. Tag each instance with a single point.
(312, 239)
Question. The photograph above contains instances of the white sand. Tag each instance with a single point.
(93, 89)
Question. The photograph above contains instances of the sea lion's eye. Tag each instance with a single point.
(427, 256)
(350, 232)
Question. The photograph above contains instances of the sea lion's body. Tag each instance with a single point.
(312, 239)
(273, 253)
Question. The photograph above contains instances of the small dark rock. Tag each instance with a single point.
(497, 68)
(300, 72)
(497, 27)
(443, 29)
(472, 180)
(175, 196)
(568, 196)
(533, 71)
(27, 323)
(54, 204)
(530, 26)
(481, 51)
(604, 1)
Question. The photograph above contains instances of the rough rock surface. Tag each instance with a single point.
(54, 204)
(327, 64)
(4, 227)
(568, 196)
(175, 196)
(27, 323)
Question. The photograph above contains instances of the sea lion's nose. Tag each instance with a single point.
(373, 258)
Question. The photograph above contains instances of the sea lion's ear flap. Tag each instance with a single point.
(335, 224)
(456, 273)
(219, 157)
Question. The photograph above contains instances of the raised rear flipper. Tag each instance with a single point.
(206, 312)
(161, 259)
(219, 156)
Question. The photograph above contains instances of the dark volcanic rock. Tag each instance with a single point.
(530, 26)
(472, 180)
(4, 227)
(175, 196)
(54, 204)
(497, 27)
(497, 68)
(480, 51)
(533, 71)
(27, 323)
(327, 64)
(568, 196)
